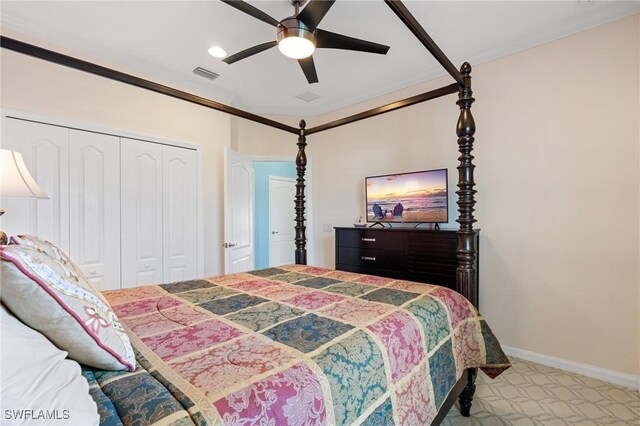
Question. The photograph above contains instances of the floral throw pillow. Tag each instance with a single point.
(47, 296)
(46, 247)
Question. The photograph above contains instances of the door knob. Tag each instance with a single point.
(146, 266)
(92, 272)
(274, 232)
(229, 245)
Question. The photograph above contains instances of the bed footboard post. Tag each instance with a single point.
(301, 165)
(466, 396)
(466, 273)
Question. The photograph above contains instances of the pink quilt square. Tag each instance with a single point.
(145, 306)
(343, 276)
(466, 345)
(282, 291)
(253, 284)
(412, 287)
(402, 340)
(459, 308)
(169, 319)
(371, 280)
(291, 397)
(118, 297)
(227, 280)
(314, 270)
(356, 311)
(185, 340)
(313, 300)
(216, 370)
(414, 404)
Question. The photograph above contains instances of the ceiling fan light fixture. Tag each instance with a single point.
(294, 39)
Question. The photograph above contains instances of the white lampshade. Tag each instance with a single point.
(15, 179)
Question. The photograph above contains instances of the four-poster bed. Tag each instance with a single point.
(189, 295)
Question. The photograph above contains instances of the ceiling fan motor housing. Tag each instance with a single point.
(292, 27)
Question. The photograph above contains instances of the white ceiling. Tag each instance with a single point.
(164, 41)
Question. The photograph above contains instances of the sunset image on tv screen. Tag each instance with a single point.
(408, 197)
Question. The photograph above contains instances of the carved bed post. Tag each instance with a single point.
(466, 273)
(301, 164)
(466, 396)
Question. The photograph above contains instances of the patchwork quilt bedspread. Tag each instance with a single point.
(295, 345)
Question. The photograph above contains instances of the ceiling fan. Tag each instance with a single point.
(298, 35)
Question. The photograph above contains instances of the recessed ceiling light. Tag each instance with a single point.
(217, 52)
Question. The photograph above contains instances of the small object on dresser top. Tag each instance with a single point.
(360, 224)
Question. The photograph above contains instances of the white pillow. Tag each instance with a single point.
(38, 384)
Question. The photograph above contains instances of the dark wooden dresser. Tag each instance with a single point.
(422, 255)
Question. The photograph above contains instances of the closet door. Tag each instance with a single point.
(180, 214)
(141, 213)
(94, 208)
(45, 152)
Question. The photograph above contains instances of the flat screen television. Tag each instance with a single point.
(416, 197)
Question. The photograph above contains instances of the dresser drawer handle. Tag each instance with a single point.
(368, 258)
(370, 240)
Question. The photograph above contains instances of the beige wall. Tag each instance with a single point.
(41, 87)
(557, 152)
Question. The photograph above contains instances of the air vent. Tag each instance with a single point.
(205, 73)
(308, 96)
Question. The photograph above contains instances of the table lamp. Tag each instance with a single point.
(16, 181)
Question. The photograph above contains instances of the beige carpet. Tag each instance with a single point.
(533, 394)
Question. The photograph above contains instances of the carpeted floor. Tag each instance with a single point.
(533, 394)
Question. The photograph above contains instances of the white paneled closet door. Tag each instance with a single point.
(141, 212)
(94, 208)
(180, 212)
(45, 150)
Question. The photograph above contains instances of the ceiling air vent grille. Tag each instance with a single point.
(202, 72)
(308, 96)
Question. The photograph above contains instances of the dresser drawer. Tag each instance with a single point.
(371, 239)
(384, 259)
(370, 270)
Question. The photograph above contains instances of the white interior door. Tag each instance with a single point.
(94, 207)
(45, 150)
(238, 213)
(180, 213)
(282, 192)
(141, 213)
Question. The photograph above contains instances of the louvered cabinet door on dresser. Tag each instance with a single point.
(421, 255)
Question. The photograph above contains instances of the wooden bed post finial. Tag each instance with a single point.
(301, 165)
(466, 273)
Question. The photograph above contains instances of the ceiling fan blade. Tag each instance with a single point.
(313, 13)
(329, 40)
(249, 52)
(250, 10)
(309, 69)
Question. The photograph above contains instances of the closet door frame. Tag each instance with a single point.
(7, 113)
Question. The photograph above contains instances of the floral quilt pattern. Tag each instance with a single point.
(292, 345)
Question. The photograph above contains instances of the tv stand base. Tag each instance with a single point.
(379, 223)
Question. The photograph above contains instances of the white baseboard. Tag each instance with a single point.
(611, 376)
